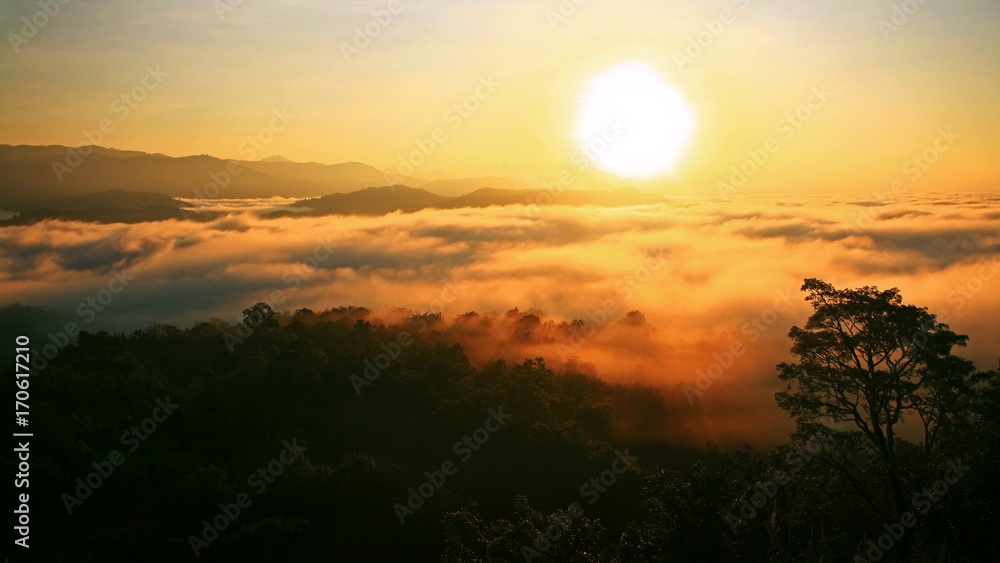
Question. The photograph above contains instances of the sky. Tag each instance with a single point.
(374, 96)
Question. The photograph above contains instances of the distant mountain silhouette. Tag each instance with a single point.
(28, 176)
(121, 206)
(34, 176)
(462, 186)
(434, 175)
(486, 197)
(334, 178)
(28, 152)
(379, 201)
(112, 206)
(369, 201)
(115, 199)
(28, 179)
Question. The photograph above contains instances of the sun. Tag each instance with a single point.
(632, 122)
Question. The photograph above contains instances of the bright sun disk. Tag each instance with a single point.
(632, 122)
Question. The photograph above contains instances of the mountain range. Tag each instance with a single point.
(387, 199)
(92, 183)
(31, 176)
(111, 206)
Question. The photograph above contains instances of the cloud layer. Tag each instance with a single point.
(702, 275)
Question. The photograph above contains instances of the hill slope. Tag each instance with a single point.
(379, 201)
(31, 176)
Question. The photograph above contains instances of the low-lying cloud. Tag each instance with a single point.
(667, 289)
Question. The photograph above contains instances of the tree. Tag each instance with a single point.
(256, 316)
(869, 360)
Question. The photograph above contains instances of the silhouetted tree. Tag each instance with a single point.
(869, 360)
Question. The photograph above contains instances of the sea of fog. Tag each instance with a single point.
(665, 292)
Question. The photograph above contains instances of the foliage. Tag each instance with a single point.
(291, 380)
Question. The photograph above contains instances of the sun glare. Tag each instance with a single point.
(632, 122)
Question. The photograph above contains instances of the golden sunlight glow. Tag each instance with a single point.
(632, 122)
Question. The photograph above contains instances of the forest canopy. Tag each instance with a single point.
(300, 436)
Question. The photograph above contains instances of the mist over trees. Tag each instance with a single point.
(324, 436)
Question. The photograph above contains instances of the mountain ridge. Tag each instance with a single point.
(389, 199)
(32, 176)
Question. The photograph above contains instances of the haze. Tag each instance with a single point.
(372, 98)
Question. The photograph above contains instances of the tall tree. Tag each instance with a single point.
(869, 360)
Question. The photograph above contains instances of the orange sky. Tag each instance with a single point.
(369, 97)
